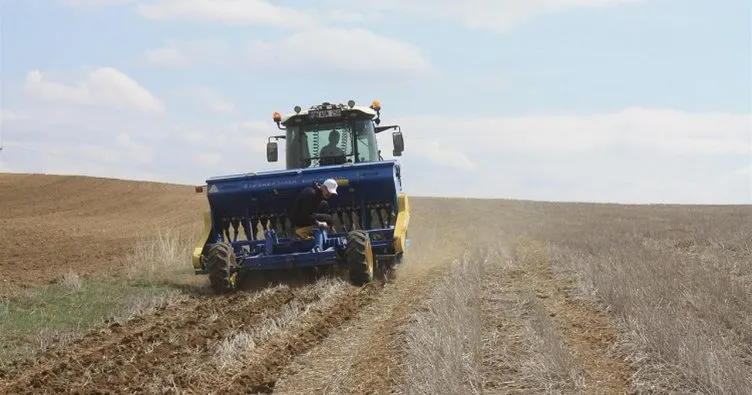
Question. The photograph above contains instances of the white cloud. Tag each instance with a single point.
(95, 3)
(207, 159)
(433, 151)
(165, 57)
(235, 136)
(115, 146)
(190, 135)
(241, 12)
(252, 127)
(182, 54)
(739, 179)
(104, 87)
(657, 130)
(634, 155)
(322, 49)
(207, 98)
(234, 12)
(346, 16)
(8, 115)
(494, 15)
(311, 50)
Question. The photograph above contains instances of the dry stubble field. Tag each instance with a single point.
(496, 297)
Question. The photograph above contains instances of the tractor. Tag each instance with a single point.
(247, 229)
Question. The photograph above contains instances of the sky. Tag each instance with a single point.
(625, 101)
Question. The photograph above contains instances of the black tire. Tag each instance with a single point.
(359, 257)
(221, 265)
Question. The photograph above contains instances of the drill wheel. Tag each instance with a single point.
(359, 257)
(221, 265)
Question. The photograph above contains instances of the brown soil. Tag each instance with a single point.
(572, 337)
(53, 224)
(587, 333)
(364, 356)
(130, 356)
(340, 339)
(165, 349)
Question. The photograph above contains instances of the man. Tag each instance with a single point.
(307, 211)
(332, 154)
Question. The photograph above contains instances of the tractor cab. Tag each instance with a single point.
(331, 134)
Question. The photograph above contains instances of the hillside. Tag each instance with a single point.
(56, 224)
(496, 295)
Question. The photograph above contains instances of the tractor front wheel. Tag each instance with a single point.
(359, 257)
(221, 266)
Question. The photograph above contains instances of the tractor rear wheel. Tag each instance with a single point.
(221, 266)
(359, 257)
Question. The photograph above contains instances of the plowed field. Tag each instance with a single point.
(53, 224)
(495, 297)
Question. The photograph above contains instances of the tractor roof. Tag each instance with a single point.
(328, 106)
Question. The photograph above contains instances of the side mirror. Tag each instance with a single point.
(398, 142)
(271, 151)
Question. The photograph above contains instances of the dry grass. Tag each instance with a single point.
(147, 303)
(552, 367)
(162, 255)
(676, 282)
(444, 339)
(678, 279)
(483, 328)
(231, 353)
(70, 280)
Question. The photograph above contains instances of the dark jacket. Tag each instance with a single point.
(303, 211)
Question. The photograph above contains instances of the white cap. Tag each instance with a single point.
(331, 185)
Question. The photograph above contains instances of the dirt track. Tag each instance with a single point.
(323, 337)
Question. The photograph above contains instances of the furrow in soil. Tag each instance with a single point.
(262, 367)
(145, 349)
